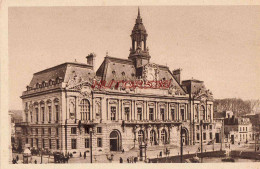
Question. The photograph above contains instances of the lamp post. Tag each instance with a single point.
(181, 146)
(91, 132)
(201, 139)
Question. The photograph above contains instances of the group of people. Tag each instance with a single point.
(15, 160)
(132, 159)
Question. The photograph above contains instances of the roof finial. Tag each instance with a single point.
(139, 12)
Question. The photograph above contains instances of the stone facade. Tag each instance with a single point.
(67, 108)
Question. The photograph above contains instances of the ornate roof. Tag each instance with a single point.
(139, 27)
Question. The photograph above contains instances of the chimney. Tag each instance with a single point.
(91, 60)
(177, 75)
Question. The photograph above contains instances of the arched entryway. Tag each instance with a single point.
(185, 136)
(152, 137)
(115, 141)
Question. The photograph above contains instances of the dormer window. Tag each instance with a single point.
(113, 72)
(57, 80)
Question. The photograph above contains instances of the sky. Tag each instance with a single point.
(219, 45)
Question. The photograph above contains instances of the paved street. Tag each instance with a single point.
(150, 153)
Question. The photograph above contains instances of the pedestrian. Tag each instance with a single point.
(85, 155)
(80, 155)
(160, 153)
(123, 151)
(127, 159)
(35, 161)
(14, 161)
(17, 158)
(135, 159)
(121, 160)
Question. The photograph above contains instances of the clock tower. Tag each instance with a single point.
(139, 52)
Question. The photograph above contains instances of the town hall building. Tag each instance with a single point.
(125, 103)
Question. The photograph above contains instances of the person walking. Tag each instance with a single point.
(85, 155)
(17, 158)
(121, 160)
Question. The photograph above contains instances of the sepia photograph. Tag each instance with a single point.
(133, 84)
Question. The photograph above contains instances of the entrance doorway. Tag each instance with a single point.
(232, 139)
(185, 139)
(217, 138)
(115, 141)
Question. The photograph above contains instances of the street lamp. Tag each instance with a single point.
(201, 139)
(181, 146)
(91, 131)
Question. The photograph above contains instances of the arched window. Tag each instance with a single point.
(152, 137)
(164, 136)
(84, 109)
(140, 136)
(202, 113)
(56, 105)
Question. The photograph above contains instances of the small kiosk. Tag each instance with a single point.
(27, 156)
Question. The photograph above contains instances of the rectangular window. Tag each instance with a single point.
(57, 112)
(113, 113)
(31, 142)
(31, 116)
(57, 144)
(73, 143)
(182, 114)
(43, 143)
(57, 131)
(204, 136)
(27, 140)
(246, 128)
(99, 142)
(36, 130)
(73, 130)
(139, 113)
(87, 143)
(37, 114)
(49, 113)
(42, 131)
(99, 130)
(127, 113)
(204, 127)
(50, 143)
(43, 115)
(210, 136)
(31, 131)
(162, 114)
(49, 130)
(86, 130)
(243, 128)
(198, 127)
(37, 143)
(173, 114)
(151, 114)
(198, 136)
(26, 117)
(210, 127)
